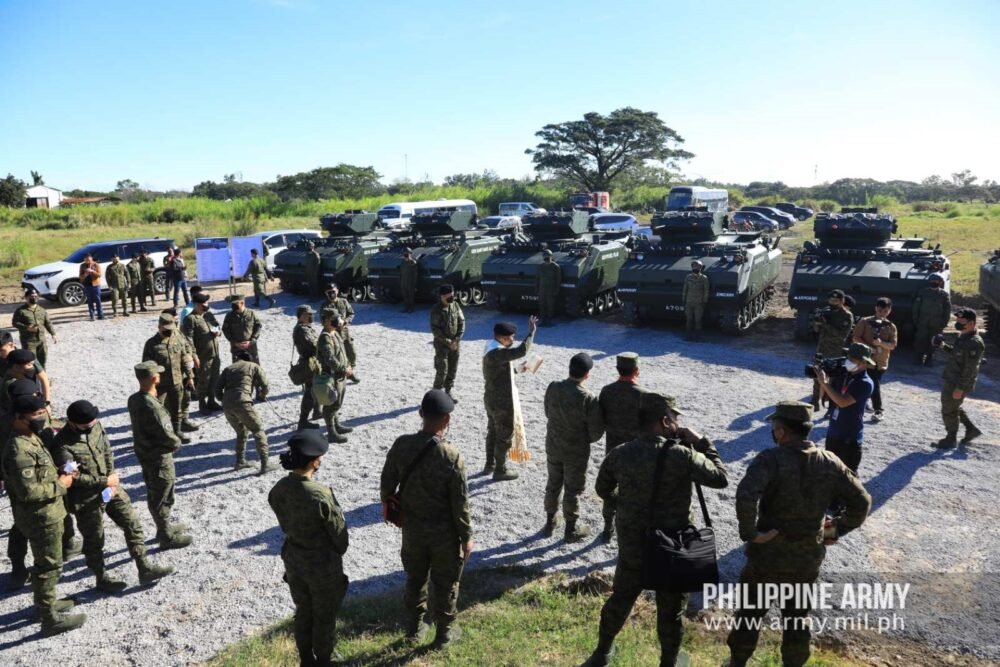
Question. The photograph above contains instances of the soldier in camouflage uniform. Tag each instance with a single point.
(37, 490)
(315, 542)
(305, 340)
(448, 327)
(169, 348)
(84, 441)
(241, 327)
(338, 305)
(437, 527)
(695, 298)
(333, 360)
(195, 364)
(626, 479)
(574, 421)
(931, 311)
(236, 388)
(155, 441)
(31, 322)
(312, 269)
(960, 374)
(148, 269)
(781, 505)
(258, 274)
(136, 290)
(833, 326)
(202, 330)
(409, 275)
(548, 282)
(498, 378)
(116, 276)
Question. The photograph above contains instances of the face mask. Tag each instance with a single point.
(114, 261)
(774, 436)
(449, 299)
(37, 425)
(851, 366)
(165, 334)
(959, 326)
(32, 300)
(84, 429)
(29, 373)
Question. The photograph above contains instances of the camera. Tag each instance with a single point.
(833, 367)
(820, 314)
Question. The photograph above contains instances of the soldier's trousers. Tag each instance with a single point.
(172, 398)
(308, 404)
(17, 545)
(330, 411)
(352, 355)
(499, 434)
(547, 306)
(434, 554)
(409, 298)
(952, 412)
(46, 548)
(148, 290)
(312, 279)
(207, 375)
(135, 294)
(567, 477)
(244, 418)
(445, 367)
(693, 313)
(90, 520)
(670, 608)
(923, 345)
(159, 475)
(317, 583)
(259, 291)
(40, 350)
(610, 442)
(778, 562)
(119, 294)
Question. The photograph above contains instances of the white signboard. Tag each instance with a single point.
(240, 247)
(213, 258)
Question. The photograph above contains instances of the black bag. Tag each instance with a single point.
(392, 509)
(678, 561)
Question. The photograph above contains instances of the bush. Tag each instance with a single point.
(14, 254)
(242, 227)
(926, 206)
(828, 206)
(953, 213)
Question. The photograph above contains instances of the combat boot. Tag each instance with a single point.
(110, 584)
(608, 532)
(273, 302)
(72, 548)
(501, 474)
(451, 396)
(59, 607)
(183, 437)
(601, 657)
(574, 532)
(177, 540)
(340, 427)
(946, 442)
(265, 467)
(58, 623)
(150, 573)
(332, 436)
(551, 521)
(18, 578)
(355, 379)
(241, 458)
(971, 433)
(188, 426)
(417, 631)
(446, 636)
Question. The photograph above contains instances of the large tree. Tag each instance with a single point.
(594, 151)
(13, 192)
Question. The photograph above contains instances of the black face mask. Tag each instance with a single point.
(32, 300)
(959, 326)
(37, 425)
(30, 373)
(449, 299)
(774, 436)
(85, 430)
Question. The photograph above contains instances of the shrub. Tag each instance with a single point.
(14, 254)
(953, 213)
(241, 227)
(828, 206)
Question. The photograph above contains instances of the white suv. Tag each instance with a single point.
(277, 240)
(60, 281)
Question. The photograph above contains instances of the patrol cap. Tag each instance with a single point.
(504, 329)
(860, 351)
(447, 288)
(200, 297)
(935, 278)
(331, 287)
(309, 442)
(147, 369)
(696, 263)
(244, 355)
(166, 322)
(966, 314)
(836, 294)
(236, 297)
(626, 362)
(436, 403)
(23, 387)
(81, 412)
(653, 405)
(304, 309)
(25, 404)
(793, 411)
(546, 253)
(19, 357)
(28, 291)
(580, 364)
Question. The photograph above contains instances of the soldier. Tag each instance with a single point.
(316, 540)
(498, 378)
(118, 282)
(338, 305)
(155, 441)
(333, 360)
(628, 479)
(785, 492)
(30, 320)
(23, 365)
(833, 325)
(148, 269)
(931, 312)
(437, 529)
(258, 273)
(695, 298)
(241, 327)
(305, 341)
(574, 421)
(408, 278)
(312, 269)
(169, 349)
(137, 290)
(448, 327)
(96, 491)
(548, 282)
(202, 330)
(189, 390)
(959, 376)
(879, 333)
(236, 388)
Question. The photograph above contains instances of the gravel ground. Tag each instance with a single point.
(934, 512)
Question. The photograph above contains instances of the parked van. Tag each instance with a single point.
(393, 216)
(519, 208)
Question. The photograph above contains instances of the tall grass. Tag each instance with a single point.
(14, 254)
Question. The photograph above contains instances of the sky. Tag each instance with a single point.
(170, 94)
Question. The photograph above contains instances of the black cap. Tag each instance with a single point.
(964, 313)
(23, 388)
(581, 363)
(436, 403)
(26, 404)
(18, 357)
(243, 355)
(81, 412)
(447, 288)
(29, 290)
(504, 329)
(200, 297)
(836, 294)
(309, 442)
(331, 287)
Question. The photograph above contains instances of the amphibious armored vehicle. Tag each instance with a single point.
(989, 288)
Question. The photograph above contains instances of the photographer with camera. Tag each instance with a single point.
(833, 324)
(848, 390)
(878, 333)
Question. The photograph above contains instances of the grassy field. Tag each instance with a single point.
(508, 618)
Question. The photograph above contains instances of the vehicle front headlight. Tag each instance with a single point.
(39, 276)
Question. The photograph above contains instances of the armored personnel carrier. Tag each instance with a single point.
(989, 288)
(344, 254)
(589, 261)
(448, 247)
(741, 268)
(854, 251)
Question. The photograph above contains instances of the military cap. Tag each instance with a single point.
(309, 442)
(504, 329)
(860, 351)
(447, 288)
(236, 297)
(793, 411)
(81, 412)
(29, 290)
(18, 357)
(303, 309)
(25, 404)
(546, 253)
(331, 287)
(23, 387)
(436, 403)
(697, 263)
(581, 362)
(200, 297)
(627, 361)
(658, 403)
(196, 288)
(935, 278)
(836, 294)
(243, 355)
(147, 369)
(166, 322)
(966, 314)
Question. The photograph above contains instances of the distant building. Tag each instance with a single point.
(42, 196)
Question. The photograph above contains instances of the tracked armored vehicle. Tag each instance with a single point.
(590, 263)
(448, 246)
(741, 268)
(989, 289)
(353, 238)
(854, 251)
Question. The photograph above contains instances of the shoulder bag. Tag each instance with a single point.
(302, 372)
(392, 509)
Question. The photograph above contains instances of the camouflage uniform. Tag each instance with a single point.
(315, 541)
(257, 273)
(408, 278)
(312, 271)
(242, 327)
(960, 372)
(620, 408)
(305, 340)
(155, 442)
(498, 398)
(833, 329)
(117, 277)
(235, 388)
(548, 283)
(33, 316)
(343, 308)
(931, 312)
(447, 325)
(135, 290)
(171, 353)
(625, 480)
(435, 504)
(789, 488)
(148, 268)
(574, 421)
(695, 297)
(333, 360)
(198, 329)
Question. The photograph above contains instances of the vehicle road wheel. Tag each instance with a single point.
(478, 295)
(599, 305)
(71, 294)
(589, 308)
(369, 293)
(463, 297)
(160, 282)
(357, 294)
